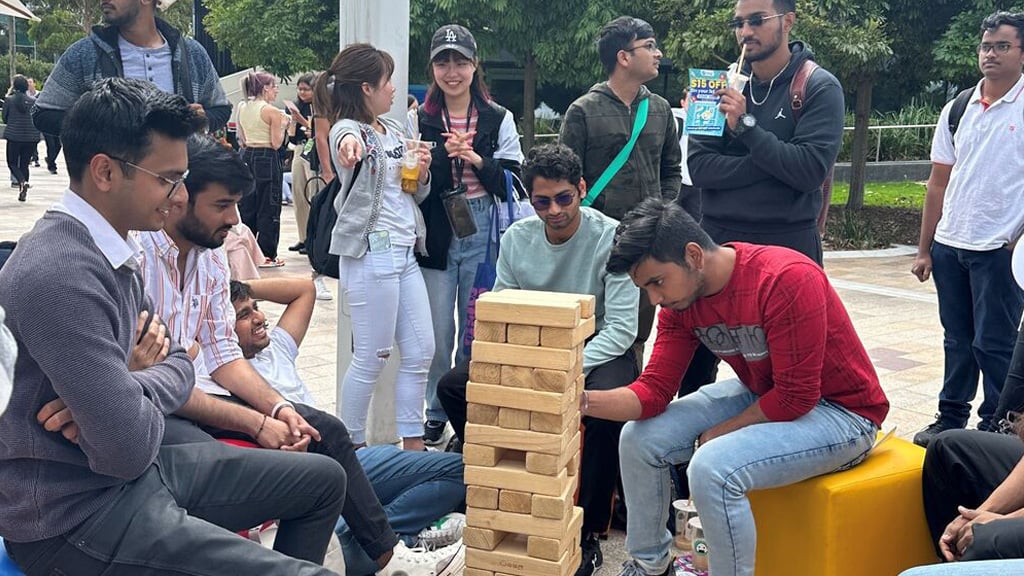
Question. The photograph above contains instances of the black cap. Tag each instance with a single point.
(453, 37)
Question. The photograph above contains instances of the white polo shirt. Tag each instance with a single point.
(983, 207)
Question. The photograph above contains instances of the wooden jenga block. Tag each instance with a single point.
(568, 338)
(497, 307)
(532, 356)
(580, 383)
(587, 302)
(512, 474)
(553, 423)
(554, 507)
(573, 467)
(524, 335)
(515, 377)
(524, 440)
(515, 523)
(515, 501)
(484, 372)
(477, 572)
(530, 400)
(477, 413)
(482, 497)
(545, 380)
(553, 464)
(480, 455)
(481, 538)
(553, 548)
(511, 557)
(514, 419)
(490, 331)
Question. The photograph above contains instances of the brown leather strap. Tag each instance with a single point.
(798, 86)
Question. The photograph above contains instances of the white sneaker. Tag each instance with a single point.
(322, 291)
(443, 532)
(420, 562)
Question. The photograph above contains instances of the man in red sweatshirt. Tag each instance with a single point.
(806, 401)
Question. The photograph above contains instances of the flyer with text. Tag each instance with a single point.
(703, 118)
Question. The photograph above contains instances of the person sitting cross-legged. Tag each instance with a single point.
(563, 249)
(806, 400)
(420, 491)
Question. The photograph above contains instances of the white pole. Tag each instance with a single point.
(385, 24)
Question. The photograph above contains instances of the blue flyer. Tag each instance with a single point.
(703, 118)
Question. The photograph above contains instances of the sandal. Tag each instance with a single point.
(272, 263)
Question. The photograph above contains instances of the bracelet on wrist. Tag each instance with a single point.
(280, 406)
(260, 429)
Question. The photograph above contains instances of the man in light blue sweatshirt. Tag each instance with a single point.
(564, 249)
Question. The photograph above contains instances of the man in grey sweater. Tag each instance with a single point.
(101, 495)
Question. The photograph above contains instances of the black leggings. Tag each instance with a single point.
(19, 154)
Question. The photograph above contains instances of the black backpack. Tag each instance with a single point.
(322, 217)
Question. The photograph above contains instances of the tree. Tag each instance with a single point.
(283, 36)
(955, 57)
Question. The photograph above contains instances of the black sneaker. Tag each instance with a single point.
(454, 445)
(297, 246)
(592, 556)
(433, 432)
(924, 437)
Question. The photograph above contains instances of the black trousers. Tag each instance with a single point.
(1011, 399)
(599, 461)
(19, 155)
(362, 510)
(180, 517)
(261, 210)
(52, 150)
(962, 468)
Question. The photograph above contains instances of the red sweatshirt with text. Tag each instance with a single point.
(781, 326)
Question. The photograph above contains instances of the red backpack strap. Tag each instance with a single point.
(798, 86)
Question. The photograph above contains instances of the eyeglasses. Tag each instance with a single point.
(174, 184)
(542, 203)
(997, 48)
(651, 46)
(755, 21)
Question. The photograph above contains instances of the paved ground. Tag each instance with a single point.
(895, 315)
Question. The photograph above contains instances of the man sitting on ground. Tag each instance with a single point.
(100, 494)
(806, 401)
(419, 490)
(563, 249)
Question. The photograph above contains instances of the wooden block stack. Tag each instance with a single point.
(522, 434)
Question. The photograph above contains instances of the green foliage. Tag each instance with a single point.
(283, 36)
(956, 60)
(55, 31)
(897, 144)
(25, 66)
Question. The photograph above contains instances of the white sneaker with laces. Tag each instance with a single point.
(421, 562)
(323, 293)
(444, 532)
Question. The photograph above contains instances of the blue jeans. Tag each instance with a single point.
(722, 471)
(415, 488)
(444, 289)
(1012, 567)
(979, 306)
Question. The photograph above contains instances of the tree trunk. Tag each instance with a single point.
(529, 100)
(861, 144)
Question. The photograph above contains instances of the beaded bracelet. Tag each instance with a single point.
(260, 429)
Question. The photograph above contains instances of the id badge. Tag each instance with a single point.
(380, 240)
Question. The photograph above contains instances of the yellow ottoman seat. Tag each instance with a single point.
(867, 521)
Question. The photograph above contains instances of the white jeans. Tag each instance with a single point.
(388, 302)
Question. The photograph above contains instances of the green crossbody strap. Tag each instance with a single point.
(623, 155)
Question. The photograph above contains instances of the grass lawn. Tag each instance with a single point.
(895, 194)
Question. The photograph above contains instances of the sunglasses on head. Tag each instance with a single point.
(542, 203)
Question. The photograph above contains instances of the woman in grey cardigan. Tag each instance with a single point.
(378, 231)
(21, 135)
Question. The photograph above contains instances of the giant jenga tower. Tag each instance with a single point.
(522, 440)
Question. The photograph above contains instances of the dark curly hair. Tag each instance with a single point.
(1001, 18)
(658, 229)
(552, 162)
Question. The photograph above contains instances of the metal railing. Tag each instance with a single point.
(878, 129)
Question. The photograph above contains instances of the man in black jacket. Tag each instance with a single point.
(133, 44)
(762, 180)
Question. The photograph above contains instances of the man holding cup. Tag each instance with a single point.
(762, 181)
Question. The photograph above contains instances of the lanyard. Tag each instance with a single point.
(458, 163)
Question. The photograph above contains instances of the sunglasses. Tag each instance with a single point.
(755, 21)
(542, 203)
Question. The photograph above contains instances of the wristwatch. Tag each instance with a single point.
(746, 122)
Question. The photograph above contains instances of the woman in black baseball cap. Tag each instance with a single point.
(476, 141)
